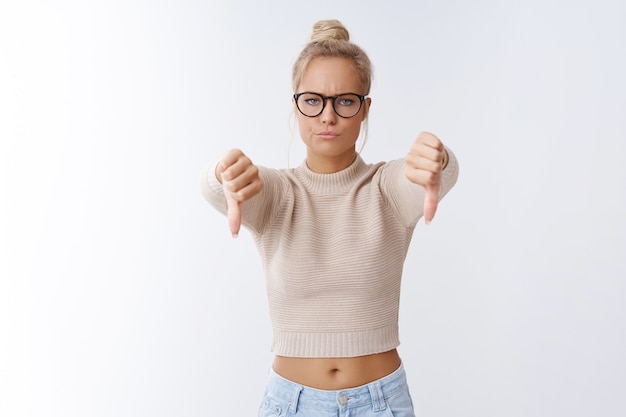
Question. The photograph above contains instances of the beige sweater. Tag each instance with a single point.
(333, 248)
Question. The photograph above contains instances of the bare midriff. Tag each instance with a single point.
(337, 373)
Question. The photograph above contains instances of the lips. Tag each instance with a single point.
(327, 135)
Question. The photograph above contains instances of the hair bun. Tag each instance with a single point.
(329, 29)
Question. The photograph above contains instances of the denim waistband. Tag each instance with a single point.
(374, 393)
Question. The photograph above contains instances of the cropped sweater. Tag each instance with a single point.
(332, 248)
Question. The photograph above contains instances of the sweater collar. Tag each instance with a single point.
(334, 182)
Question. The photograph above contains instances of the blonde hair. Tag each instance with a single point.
(331, 39)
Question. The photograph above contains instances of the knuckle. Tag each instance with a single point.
(424, 136)
(232, 154)
(228, 186)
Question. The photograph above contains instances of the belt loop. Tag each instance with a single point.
(295, 396)
(378, 398)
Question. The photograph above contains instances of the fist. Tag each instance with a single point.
(241, 181)
(424, 163)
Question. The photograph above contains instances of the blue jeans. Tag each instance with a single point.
(386, 397)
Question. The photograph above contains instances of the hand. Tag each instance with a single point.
(241, 181)
(424, 164)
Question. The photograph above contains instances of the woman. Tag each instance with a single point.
(333, 234)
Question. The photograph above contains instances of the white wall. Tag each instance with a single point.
(122, 293)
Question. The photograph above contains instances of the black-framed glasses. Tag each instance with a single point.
(313, 104)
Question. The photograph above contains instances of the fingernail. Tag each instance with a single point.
(235, 235)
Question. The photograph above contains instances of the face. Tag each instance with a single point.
(330, 139)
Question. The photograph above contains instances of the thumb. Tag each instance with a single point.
(233, 213)
(431, 199)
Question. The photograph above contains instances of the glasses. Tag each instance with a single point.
(313, 104)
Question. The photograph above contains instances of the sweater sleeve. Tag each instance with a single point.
(256, 213)
(407, 198)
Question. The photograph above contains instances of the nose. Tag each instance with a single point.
(328, 115)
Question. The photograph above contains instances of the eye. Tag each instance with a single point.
(347, 100)
(310, 100)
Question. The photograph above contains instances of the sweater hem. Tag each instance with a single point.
(335, 344)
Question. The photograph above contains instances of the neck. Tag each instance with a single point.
(329, 165)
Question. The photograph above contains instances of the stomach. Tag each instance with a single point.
(337, 373)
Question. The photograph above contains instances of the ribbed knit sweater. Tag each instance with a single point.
(333, 248)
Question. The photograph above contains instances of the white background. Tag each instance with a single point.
(122, 293)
